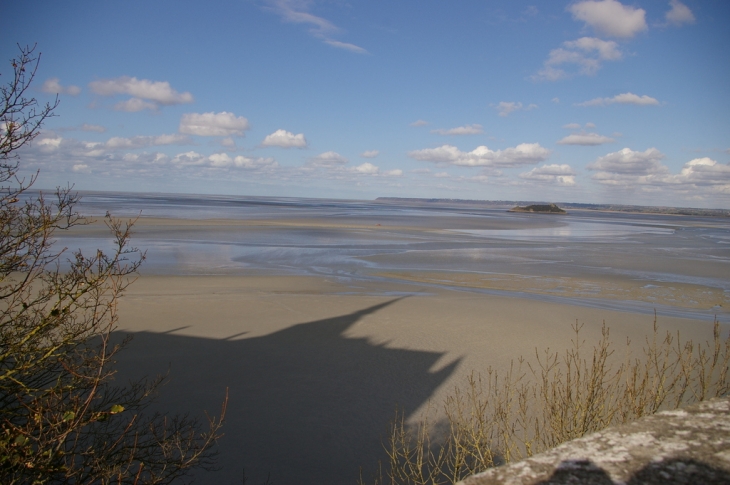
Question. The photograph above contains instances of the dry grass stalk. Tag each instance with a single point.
(556, 398)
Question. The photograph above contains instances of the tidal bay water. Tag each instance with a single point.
(675, 265)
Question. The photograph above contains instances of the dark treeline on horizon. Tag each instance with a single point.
(685, 211)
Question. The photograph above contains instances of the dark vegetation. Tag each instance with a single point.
(62, 418)
(638, 209)
(539, 208)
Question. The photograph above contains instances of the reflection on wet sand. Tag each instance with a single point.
(672, 294)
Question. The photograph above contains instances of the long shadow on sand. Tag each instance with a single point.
(306, 403)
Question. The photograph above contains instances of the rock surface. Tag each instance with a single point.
(686, 446)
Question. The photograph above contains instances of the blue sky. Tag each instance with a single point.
(588, 101)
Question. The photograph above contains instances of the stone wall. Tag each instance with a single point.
(689, 446)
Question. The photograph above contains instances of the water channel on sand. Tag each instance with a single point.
(677, 265)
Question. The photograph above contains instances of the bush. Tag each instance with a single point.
(556, 398)
(62, 419)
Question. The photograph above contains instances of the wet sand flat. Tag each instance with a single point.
(321, 317)
(315, 367)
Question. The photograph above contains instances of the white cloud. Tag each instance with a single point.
(346, 46)
(393, 173)
(419, 123)
(585, 139)
(523, 154)
(228, 142)
(625, 98)
(610, 17)
(327, 160)
(590, 125)
(556, 100)
(704, 172)
(81, 168)
(133, 143)
(145, 94)
(442, 175)
(366, 168)
(223, 160)
(370, 154)
(213, 124)
(551, 174)
(460, 130)
(505, 107)
(295, 11)
(698, 178)
(285, 139)
(132, 105)
(89, 127)
(586, 53)
(572, 126)
(629, 167)
(53, 86)
(49, 143)
(679, 14)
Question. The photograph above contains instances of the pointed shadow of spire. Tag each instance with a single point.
(307, 404)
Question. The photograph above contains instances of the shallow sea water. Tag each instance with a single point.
(575, 258)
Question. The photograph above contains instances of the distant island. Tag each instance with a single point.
(505, 204)
(540, 209)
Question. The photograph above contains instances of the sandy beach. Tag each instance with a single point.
(321, 318)
(316, 368)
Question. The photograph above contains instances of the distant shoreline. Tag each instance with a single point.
(635, 209)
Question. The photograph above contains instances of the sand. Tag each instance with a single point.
(316, 366)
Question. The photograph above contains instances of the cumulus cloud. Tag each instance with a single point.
(133, 105)
(629, 167)
(460, 130)
(551, 174)
(679, 14)
(327, 160)
(366, 168)
(285, 139)
(419, 123)
(585, 139)
(130, 156)
(505, 108)
(145, 94)
(523, 154)
(393, 173)
(587, 54)
(610, 17)
(213, 124)
(630, 162)
(223, 160)
(698, 178)
(625, 98)
(704, 172)
(53, 86)
(370, 154)
(133, 143)
(296, 12)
